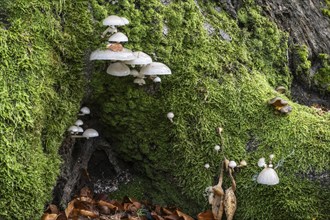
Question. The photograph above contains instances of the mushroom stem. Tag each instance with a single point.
(77, 136)
(110, 29)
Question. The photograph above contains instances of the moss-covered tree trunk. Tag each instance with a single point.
(226, 62)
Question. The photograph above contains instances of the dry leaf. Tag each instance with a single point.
(115, 47)
(207, 215)
(183, 215)
(48, 216)
(230, 203)
(69, 209)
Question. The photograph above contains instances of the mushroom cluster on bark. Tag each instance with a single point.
(114, 51)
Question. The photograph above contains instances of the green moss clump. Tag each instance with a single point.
(302, 64)
(43, 46)
(326, 10)
(322, 77)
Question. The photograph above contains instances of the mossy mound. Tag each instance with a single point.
(215, 83)
(43, 45)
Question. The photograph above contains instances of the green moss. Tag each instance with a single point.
(322, 77)
(302, 64)
(215, 83)
(326, 10)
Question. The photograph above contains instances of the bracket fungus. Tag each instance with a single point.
(280, 105)
(118, 69)
(268, 175)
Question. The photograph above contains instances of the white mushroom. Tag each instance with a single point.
(243, 163)
(156, 68)
(232, 164)
(125, 54)
(114, 20)
(141, 59)
(85, 111)
(73, 129)
(79, 122)
(139, 81)
(207, 166)
(268, 176)
(157, 79)
(118, 37)
(125, 20)
(90, 133)
(261, 162)
(170, 116)
(217, 148)
(118, 69)
(271, 157)
(135, 73)
(80, 130)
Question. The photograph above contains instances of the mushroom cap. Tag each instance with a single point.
(217, 147)
(79, 122)
(135, 73)
(278, 102)
(118, 37)
(232, 164)
(118, 69)
(139, 81)
(90, 132)
(286, 109)
(155, 68)
(268, 176)
(85, 110)
(170, 115)
(80, 130)
(73, 129)
(261, 162)
(126, 21)
(207, 165)
(125, 54)
(157, 79)
(114, 20)
(141, 59)
(281, 89)
(243, 163)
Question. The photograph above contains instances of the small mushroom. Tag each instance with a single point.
(280, 89)
(286, 109)
(268, 176)
(232, 164)
(157, 79)
(139, 81)
(79, 122)
(217, 148)
(90, 133)
(156, 68)
(135, 73)
(278, 102)
(118, 69)
(112, 21)
(141, 59)
(207, 166)
(118, 37)
(170, 116)
(243, 163)
(85, 111)
(73, 129)
(80, 130)
(261, 162)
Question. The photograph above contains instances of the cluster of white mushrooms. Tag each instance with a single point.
(268, 175)
(77, 131)
(120, 57)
